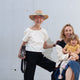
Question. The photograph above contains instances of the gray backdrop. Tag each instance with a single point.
(14, 20)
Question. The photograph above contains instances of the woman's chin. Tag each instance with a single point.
(38, 24)
(68, 36)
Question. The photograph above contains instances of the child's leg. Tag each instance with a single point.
(61, 70)
(63, 64)
(62, 67)
(60, 75)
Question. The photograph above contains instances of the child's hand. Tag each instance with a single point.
(72, 54)
(69, 52)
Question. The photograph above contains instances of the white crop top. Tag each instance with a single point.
(35, 39)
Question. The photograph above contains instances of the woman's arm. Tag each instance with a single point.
(79, 56)
(78, 51)
(74, 56)
(45, 46)
(19, 54)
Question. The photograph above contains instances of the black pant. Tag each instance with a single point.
(36, 58)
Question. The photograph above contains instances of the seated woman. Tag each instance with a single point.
(73, 49)
(72, 69)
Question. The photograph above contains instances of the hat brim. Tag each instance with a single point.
(32, 16)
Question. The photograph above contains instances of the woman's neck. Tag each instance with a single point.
(66, 40)
(36, 27)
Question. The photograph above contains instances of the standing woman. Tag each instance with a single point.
(35, 40)
(72, 70)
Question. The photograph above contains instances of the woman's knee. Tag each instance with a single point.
(69, 74)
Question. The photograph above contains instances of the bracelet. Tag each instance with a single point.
(54, 45)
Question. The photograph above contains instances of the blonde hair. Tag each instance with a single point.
(74, 37)
(62, 36)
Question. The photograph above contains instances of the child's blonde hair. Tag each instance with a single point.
(74, 37)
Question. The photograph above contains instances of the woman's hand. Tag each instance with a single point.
(74, 56)
(19, 56)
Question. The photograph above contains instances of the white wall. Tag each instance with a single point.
(14, 20)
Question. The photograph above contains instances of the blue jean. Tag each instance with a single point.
(75, 66)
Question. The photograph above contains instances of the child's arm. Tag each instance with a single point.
(65, 50)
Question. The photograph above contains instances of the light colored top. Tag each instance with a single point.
(35, 39)
(72, 48)
(60, 54)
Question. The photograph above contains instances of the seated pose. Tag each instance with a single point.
(73, 49)
(71, 72)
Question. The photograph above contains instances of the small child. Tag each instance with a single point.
(73, 49)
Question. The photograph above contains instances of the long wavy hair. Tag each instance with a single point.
(62, 36)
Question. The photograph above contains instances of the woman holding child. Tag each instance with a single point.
(71, 71)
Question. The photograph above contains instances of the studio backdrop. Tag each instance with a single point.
(14, 19)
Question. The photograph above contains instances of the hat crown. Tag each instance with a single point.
(38, 12)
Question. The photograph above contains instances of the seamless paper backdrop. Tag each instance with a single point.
(14, 20)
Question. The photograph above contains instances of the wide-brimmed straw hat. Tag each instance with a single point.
(38, 13)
